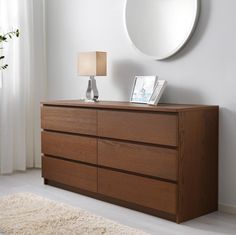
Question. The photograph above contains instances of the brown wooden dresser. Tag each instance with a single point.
(161, 160)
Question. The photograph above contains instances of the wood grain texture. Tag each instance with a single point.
(66, 119)
(139, 158)
(160, 159)
(138, 126)
(119, 105)
(72, 147)
(198, 165)
(119, 202)
(69, 173)
(140, 190)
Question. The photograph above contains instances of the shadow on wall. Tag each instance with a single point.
(175, 94)
(123, 73)
(199, 33)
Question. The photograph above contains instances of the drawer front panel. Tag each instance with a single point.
(69, 173)
(139, 190)
(68, 146)
(74, 120)
(136, 126)
(143, 159)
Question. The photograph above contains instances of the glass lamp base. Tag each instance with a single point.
(92, 91)
(87, 100)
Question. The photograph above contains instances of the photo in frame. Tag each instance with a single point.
(143, 89)
(157, 92)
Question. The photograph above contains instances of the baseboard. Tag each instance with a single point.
(230, 209)
(38, 165)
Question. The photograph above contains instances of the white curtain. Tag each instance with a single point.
(23, 85)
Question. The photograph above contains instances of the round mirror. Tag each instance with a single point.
(160, 28)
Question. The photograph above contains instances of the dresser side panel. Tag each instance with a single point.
(198, 163)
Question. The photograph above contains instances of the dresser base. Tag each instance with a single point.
(114, 201)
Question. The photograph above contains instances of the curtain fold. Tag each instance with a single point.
(21, 90)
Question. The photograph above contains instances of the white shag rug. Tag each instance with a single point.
(30, 214)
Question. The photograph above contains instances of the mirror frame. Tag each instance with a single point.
(180, 46)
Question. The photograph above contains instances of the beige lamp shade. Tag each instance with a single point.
(92, 63)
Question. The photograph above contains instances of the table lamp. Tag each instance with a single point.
(92, 64)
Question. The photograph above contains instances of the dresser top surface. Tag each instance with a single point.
(128, 105)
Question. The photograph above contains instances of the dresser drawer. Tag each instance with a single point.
(143, 159)
(137, 126)
(68, 146)
(66, 119)
(139, 190)
(70, 173)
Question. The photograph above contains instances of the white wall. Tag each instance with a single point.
(203, 72)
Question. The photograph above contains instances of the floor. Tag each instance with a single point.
(31, 181)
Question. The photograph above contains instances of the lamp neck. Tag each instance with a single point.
(92, 78)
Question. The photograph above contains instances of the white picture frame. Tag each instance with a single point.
(143, 89)
(157, 92)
